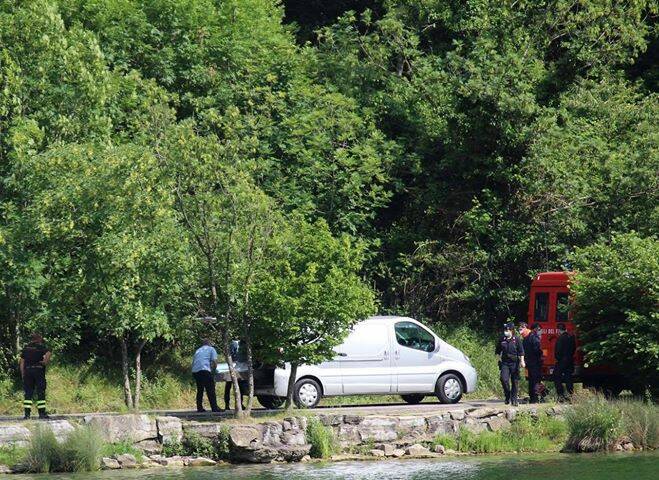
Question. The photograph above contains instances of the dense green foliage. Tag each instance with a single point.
(284, 168)
(616, 296)
(197, 446)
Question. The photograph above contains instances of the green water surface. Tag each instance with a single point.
(557, 466)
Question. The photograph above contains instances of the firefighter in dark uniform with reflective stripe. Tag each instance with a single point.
(34, 358)
(511, 351)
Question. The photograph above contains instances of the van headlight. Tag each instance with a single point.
(466, 359)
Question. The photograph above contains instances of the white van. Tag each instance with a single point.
(381, 356)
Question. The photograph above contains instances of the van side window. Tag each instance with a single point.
(541, 309)
(562, 307)
(410, 335)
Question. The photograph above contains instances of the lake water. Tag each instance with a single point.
(539, 467)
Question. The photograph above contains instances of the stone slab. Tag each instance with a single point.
(117, 428)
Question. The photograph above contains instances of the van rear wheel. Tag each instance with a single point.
(449, 388)
(307, 393)
(413, 398)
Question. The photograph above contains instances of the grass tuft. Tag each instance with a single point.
(593, 424)
(43, 453)
(322, 439)
(80, 452)
(526, 434)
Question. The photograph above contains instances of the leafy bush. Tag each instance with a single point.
(222, 446)
(322, 439)
(119, 448)
(198, 446)
(11, 455)
(616, 290)
(173, 449)
(194, 445)
(593, 425)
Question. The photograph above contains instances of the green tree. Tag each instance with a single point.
(102, 222)
(230, 223)
(615, 298)
(310, 296)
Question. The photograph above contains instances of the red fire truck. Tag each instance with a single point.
(549, 306)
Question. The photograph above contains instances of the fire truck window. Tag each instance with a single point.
(562, 306)
(541, 309)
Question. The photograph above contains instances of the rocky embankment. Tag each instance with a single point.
(282, 440)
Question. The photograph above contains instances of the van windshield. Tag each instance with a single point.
(411, 335)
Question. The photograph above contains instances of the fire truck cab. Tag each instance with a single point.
(549, 305)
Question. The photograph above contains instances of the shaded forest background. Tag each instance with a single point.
(462, 145)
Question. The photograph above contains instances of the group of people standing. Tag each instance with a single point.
(523, 350)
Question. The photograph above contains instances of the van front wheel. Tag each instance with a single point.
(307, 393)
(413, 398)
(449, 388)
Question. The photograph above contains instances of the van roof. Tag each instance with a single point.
(386, 319)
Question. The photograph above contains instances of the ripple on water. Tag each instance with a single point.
(519, 467)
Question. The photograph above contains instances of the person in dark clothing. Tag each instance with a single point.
(204, 364)
(564, 354)
(510, 350)
(34, 358)
(533, 359)
(236, 356)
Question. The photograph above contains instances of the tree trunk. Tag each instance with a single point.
(291, 386)
(138, 375)
(17, 332)
(234, 376)
(128, 396)
(250, 376)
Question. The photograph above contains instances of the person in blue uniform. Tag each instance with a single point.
(34, 358)
(510, 351)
